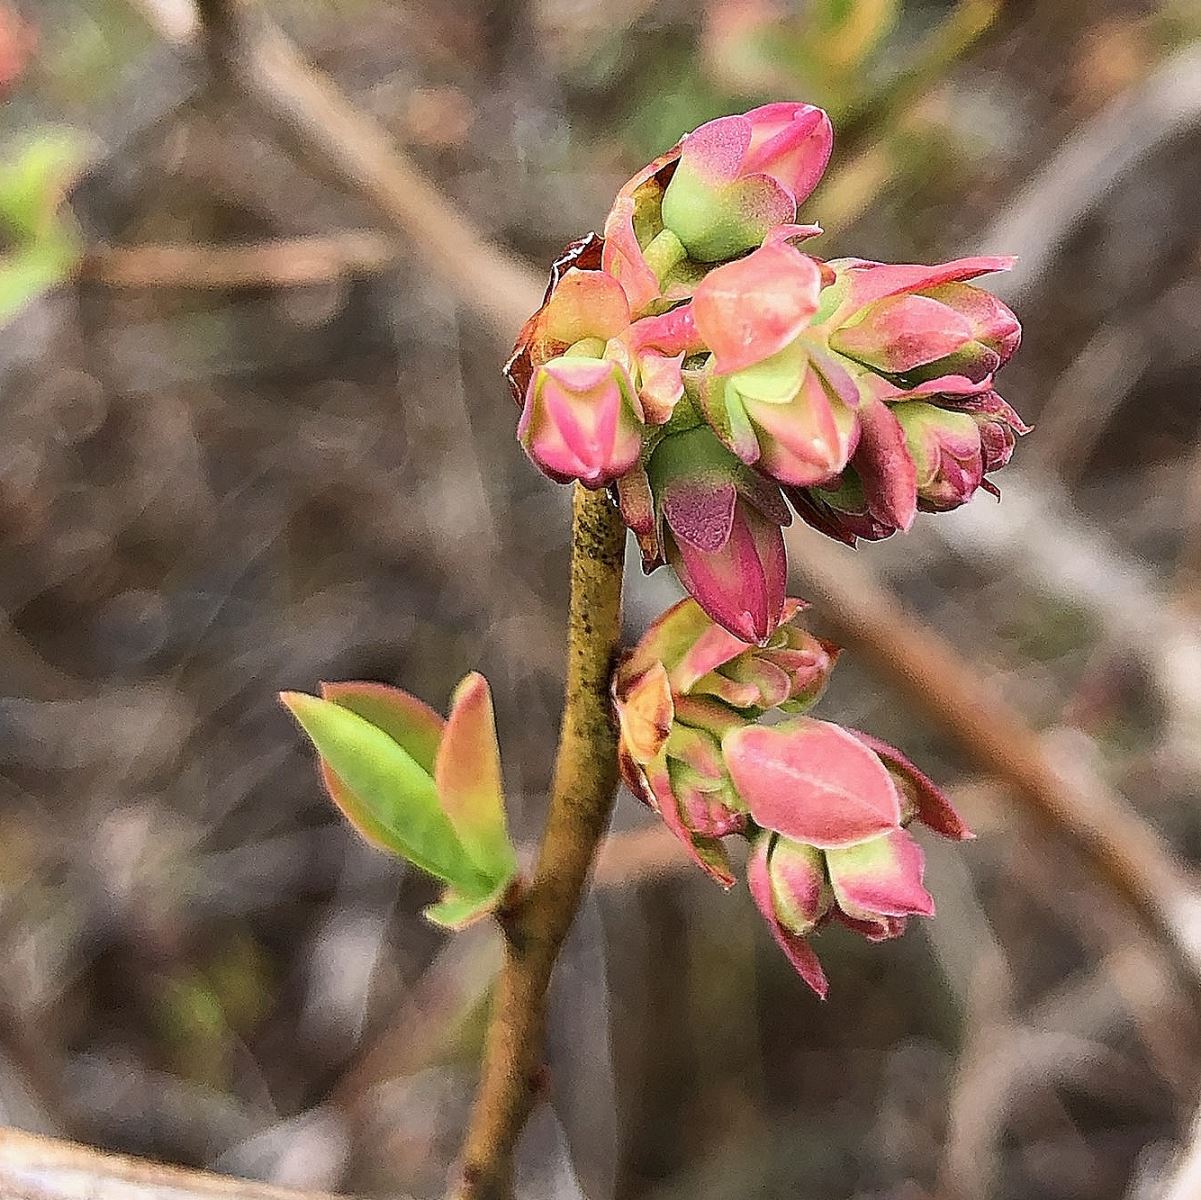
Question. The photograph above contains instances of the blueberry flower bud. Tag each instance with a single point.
(582, 420)
(740, 176)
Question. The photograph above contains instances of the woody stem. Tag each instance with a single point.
(585, 782)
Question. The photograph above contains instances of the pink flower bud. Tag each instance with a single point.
(686, 684)
(702, 659)
(582, 303)
(787, 881)
(783, 417)
(719, 528)
(999, 426)
(739, 176)
(872, 887)
(945, 448)
(824, 807)
(929, 446)
(582, 420)
(877, 884)
(669, 752)
(922, 322)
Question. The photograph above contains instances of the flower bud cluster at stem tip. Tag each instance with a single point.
(699, 362)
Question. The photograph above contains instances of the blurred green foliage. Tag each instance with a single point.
(40, 241)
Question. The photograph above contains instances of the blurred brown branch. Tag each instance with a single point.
(37, 1168)
(282, 262)
(257, 59)
(1037, 536)
(928, 671)
(1038, 221)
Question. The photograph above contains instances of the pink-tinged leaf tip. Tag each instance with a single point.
(468, 778)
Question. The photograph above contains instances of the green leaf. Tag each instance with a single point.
(30, 270)
(409, 722)
(384, 792)
(457, 911)
(33, 182)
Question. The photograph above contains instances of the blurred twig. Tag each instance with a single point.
(1038, 221)
(856, 182)
(1037, 536)
(957, 33)
(283, 262)
(1187, 584)
(927, 670)
(37, 1168)
(257, 58)
(1085, 397)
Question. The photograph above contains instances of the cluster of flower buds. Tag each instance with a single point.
(825, 808)
(697, 361)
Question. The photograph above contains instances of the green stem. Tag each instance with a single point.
(581, 800)
(663, 253)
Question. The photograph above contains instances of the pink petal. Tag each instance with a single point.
(623, 257)
(796, 948)
(883, 463)
(934, 808)
(873, 281)
(644, 711)
(712, 649)
(790, 142)
(800, 890)
(667, 640)
(699, 512)
(752, 308)
(706, 853)
(741, 586)
(903, 332)
(660, 385)
(714, 151)
(792, 233)
(585, 304)
(812, 781)
(880, 877)
(669, 333)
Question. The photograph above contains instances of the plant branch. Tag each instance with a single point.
(38, 1168)
(1131, 856)
(582, 794)
(279, 263)
(259, 61)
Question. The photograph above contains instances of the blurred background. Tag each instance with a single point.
(253, 434)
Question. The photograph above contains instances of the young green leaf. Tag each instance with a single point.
(457, 911)
(33, 182)
(385, 792)
(32, 269)
(409, 722)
